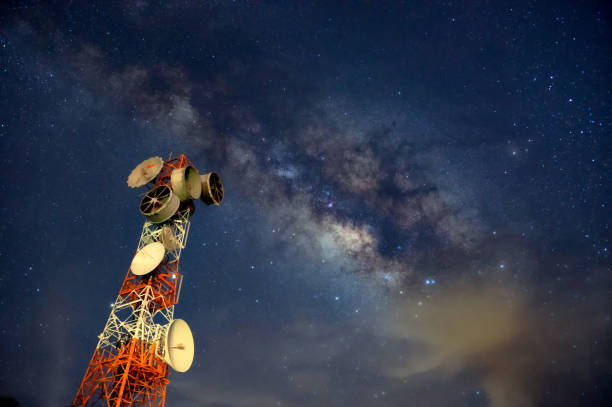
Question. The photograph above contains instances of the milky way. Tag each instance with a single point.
(416, 211)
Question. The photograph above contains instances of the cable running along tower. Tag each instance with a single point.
(141, 338)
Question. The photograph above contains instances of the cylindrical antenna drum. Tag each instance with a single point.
(159, 204)
(212, 189)
(186, 183)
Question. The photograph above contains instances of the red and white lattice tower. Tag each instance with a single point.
(141, 338)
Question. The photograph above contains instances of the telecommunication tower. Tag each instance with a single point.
(141, 338)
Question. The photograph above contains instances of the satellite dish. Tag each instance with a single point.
(159, 204)
(186, 183)
(168, 239)
(212, 189)
(145, 172)
(178, 346)
(146, 259)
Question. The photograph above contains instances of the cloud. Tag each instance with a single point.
(490, 330)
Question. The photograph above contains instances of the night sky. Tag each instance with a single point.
(417, 196)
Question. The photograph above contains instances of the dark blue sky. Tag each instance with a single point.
(417, 196)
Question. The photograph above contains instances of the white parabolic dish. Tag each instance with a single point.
(146, 259)
(145, 171)
(179, 346)
(168, 239)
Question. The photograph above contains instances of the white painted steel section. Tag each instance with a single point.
(135, 319)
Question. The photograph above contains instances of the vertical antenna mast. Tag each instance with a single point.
(141, 338)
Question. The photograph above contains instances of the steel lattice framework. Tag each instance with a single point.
(127, 367)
